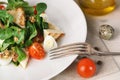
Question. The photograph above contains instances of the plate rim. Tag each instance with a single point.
(83, 15)
(85, 30)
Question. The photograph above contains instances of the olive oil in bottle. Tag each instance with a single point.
(97, 7)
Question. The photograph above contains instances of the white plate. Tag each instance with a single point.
(66, 15)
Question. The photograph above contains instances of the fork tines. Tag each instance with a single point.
(68, 49)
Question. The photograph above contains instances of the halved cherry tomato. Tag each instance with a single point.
(35, 11)
(86, 68)
(2, 7)
(36, 51)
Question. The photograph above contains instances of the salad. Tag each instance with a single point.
(25, 32)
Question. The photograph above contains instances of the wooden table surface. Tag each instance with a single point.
(110, 70)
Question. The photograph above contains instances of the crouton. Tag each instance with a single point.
(19, 16)
(53, 31)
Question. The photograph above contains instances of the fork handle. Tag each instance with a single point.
(107, 53)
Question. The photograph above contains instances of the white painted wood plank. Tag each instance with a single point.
(115, 76)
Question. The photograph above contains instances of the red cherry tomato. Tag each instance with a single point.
(35, 11)
(2, 7)
(86, 68)
(36, 51)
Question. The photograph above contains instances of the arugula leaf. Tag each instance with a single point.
(39, 27)
(41, 7)
(32, 30)
(12, 31)
(30, 33)
(45, 25)
(7, 43)
(13, 4)
(6, 18)
(29, 10)
(6, 33)
(28, 43)
(21, 54)
(39, 24)
(19, 34)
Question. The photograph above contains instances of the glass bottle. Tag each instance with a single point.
(97, 7)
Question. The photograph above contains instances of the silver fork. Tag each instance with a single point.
(78, 48)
